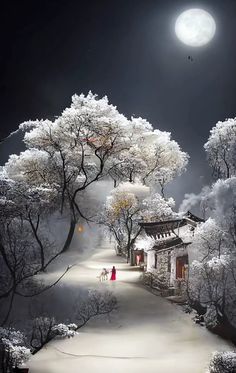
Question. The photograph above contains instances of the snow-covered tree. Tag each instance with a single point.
(164, 158)
(221, 148)
(25, 246)
(30, 206)
(208, 240)
(97, 303)
(20, 262)
(153, 158)
(123, 213)
(88, 141)
(157, 208)
(71, 152)
(13, 351)
(212, 276)
(221, 201)
(209, 286)
(127, 206)
(44, 328)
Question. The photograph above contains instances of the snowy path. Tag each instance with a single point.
(147, 334)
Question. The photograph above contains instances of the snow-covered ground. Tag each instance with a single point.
(146, 333)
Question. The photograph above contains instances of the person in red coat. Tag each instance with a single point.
(113, 274)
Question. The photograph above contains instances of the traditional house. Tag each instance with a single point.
(169, 258)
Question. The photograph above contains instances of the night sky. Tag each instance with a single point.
(126, 49)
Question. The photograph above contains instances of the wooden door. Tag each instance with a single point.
(181, 263)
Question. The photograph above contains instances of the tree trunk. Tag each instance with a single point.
(128, 253)
(225, 329)
(69, 236)
(130, 256)
(41, 247)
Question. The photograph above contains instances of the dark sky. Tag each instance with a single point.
(128, 50)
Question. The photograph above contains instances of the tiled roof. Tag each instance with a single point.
(162, 228)
(168, 244)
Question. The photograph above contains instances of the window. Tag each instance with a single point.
(155, 265)
(169, 262)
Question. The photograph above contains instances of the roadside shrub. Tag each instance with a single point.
(223, 362)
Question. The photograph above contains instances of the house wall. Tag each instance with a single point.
(166, 259)
(163, 264)
(166, 263)
(150, 260)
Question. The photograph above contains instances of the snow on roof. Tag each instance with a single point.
(193, 217)
(166, 228)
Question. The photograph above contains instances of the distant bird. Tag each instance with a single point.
(190, 58)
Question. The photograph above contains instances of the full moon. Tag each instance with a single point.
(195, 27)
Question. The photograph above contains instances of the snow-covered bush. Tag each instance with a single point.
(153, 281)
(223, 362)
(211, 317)
(44, 329)
(65, 331)
(13, 353)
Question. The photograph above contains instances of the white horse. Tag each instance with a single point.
(103, 275)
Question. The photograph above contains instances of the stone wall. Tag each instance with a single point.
(163, 265)
(166, 264)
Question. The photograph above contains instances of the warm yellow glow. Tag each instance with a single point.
(80, 228)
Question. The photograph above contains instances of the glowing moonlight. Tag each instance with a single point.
(195, 27)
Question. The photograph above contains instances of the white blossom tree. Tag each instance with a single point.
(153, 158)
(221, 148)
(89, 141)
(212, 275)
(126, 207)
(157, 208)
(72, 152)
(221, 201)
(164, 158)
(123, 213)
